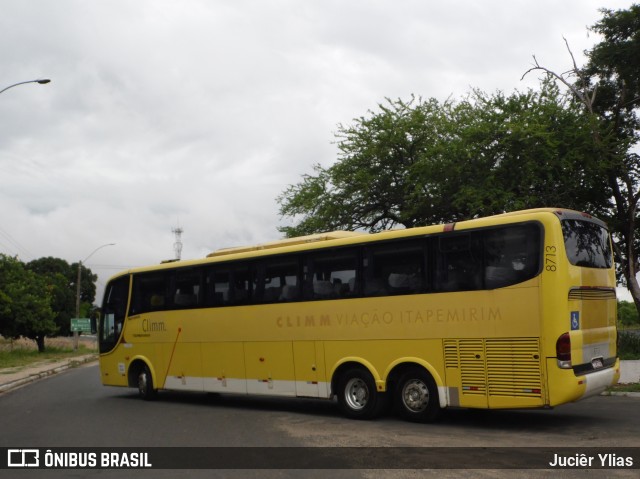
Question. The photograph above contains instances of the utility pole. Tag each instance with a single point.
(79, 289)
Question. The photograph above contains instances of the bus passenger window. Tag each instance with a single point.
(187, 289)
(149, 293)
(460, 262)
(217, 286)
(241, 286)
(331, 275)
(512, 255)
(396, 268)
(227, 286)
(277, 280)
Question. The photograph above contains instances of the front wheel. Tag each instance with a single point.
(145, 384)
(416, 396)
(357, 395)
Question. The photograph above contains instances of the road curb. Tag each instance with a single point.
(621, 393)
(55, 369)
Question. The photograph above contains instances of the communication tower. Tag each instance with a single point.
(177, 246)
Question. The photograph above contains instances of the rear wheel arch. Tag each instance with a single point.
(347, 364)
(398, 367)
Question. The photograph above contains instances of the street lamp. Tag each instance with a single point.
(75, 333)
(42, 81)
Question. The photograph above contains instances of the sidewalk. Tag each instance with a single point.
(12, 378)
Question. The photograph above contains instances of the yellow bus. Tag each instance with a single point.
(511, 311)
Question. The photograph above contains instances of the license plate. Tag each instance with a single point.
(597, 363)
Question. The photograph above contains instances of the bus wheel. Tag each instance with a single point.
(357, 395)
(416, 396)
(145, 384)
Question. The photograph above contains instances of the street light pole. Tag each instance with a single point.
(42, 81)
(75, 333)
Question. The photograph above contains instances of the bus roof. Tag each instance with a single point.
(352, 237)
(332, 235)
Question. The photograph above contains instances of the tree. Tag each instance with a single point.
(61, 278)
(422, 162)
(58, 275)
(608, 88)
(87, 287)
(376, 184)
(25, 303)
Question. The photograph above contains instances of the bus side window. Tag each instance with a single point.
(277, 280)
(150, 293)
(242, 285)
(186, 291)
(512, 255)
(217, 287)
(460, 262)
(331, 275)
(396, 268)
(228, 286)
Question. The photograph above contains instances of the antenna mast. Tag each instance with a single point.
(177, 246)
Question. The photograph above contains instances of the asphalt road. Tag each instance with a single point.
(74, 410)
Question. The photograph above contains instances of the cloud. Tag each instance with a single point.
(200, 113)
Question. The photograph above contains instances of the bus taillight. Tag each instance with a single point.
(563, 351)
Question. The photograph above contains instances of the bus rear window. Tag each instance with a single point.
(587, 244)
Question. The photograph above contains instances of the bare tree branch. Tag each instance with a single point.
(583, 96)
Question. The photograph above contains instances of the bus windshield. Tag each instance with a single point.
(114, 310)
(587, 244)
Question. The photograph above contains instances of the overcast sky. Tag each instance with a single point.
(199, 113)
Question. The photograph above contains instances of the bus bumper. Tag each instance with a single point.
(565, 387)
(597, 381)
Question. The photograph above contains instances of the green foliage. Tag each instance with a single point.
(62, 278)
(422, 162)
(628, 345)
(614, 66)
(628, 314)
(25, 303)
(39, 299)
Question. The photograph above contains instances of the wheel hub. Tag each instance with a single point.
(356, 394)
(415, 395)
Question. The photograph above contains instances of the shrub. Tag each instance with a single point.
(629, 345)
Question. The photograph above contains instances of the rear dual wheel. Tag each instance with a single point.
(416, 396)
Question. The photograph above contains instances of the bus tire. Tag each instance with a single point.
(416, 396)
(146, 388)
(357, 395)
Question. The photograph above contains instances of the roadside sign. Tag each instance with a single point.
(81, 325)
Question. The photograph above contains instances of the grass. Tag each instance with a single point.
(23, 352)
(627, 388)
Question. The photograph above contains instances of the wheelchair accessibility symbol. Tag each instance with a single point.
(575, 320)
